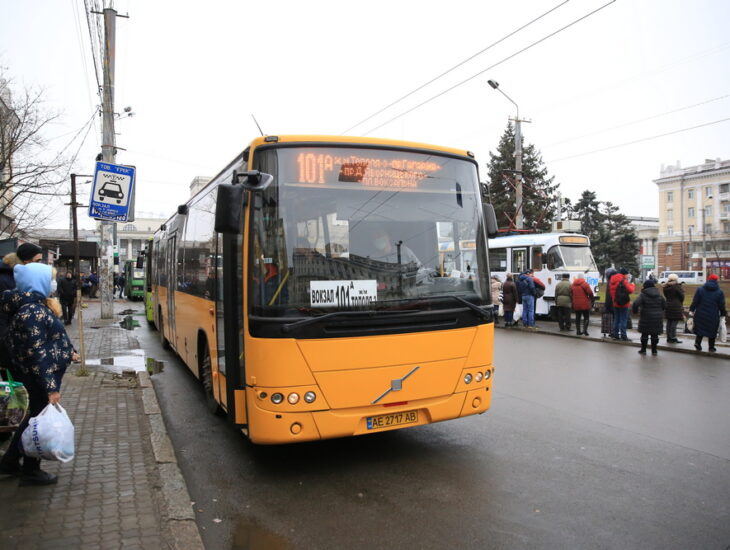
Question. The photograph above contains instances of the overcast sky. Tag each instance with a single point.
(194, 72)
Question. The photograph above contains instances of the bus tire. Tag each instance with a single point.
(163, 341)
(206, 379)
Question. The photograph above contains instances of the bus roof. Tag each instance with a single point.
(533, 239)
(352, 140)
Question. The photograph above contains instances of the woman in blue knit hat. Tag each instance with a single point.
(41, 352)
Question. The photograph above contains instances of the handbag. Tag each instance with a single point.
(689, 326)
(14, 402)
(722, 331)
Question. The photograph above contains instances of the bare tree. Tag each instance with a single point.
(30, 173)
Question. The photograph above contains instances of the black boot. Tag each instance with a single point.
(585, 327)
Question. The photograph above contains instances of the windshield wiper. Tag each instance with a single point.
(485, 313)
(311, 320)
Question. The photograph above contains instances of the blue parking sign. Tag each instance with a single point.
(111, 193)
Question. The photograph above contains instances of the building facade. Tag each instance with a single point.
(647, 231)
(694, 218)
(131, 237)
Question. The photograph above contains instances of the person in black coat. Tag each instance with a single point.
(650, 305)
(708, 305)
(7, 282)
(67, 296)
(674, 294)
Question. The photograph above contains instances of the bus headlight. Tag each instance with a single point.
(310, 396)
(478, 377)
(277, 398)
(467, 378)
(487, 374)
(293, 398)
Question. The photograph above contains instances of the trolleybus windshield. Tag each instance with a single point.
(345, 229)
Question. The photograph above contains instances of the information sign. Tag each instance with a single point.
(112, 191)
(647, 262)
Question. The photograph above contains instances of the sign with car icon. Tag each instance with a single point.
(112, 192)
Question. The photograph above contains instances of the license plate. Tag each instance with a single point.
(390, 420)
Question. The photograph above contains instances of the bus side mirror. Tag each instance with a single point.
(490, 220)
(253, 180)
(229, 208)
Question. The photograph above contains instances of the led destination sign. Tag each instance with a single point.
(321, 168)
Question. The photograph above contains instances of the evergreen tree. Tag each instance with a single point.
(538, 189)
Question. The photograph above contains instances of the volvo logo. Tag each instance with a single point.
(396, 385)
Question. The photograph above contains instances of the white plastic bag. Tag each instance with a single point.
(518, 312)
(722, 331)
(50, 435)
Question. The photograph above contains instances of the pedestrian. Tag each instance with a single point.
(563, 302)
(607, 315)
(29, 253)
(496, 289)
(708, 305)
(7, 282)
(122, 282)
(67, 295)
(650, 306)
(94, 284)
(509, 300)
(621, 302)
(41, 352)
(674, 295)
(527, 293)
(582, 297)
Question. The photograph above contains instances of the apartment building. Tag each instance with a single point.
(694, 217)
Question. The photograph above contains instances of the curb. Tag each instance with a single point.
(615, 342)
(179, 517)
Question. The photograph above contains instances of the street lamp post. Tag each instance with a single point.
(704, 240)
(518, 157)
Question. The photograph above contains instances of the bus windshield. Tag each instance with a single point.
(344, 228)
(575, 258)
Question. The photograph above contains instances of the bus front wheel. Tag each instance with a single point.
(206, 377)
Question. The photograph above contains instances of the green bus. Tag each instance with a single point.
(134, 280)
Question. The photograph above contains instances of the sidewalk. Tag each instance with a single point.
(687, 346)
(123, 488)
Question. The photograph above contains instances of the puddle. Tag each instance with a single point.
(248, 535)
(128, 323)
(135, 362)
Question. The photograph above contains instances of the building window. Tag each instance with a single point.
(724, 187)
(691, 229)
(708, 228)
(670, 214)
(670, 196)
(726, 227)
(691, 212)
(669, 250)
(129, 227)
(708, 211)
(670, 230)
(690, 194)
(708, 191)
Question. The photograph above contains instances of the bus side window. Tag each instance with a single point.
(554, 260)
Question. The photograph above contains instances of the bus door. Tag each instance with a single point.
(520, 260)
(171, 265)
(229, 319)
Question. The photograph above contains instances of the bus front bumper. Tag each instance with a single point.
(269, 427)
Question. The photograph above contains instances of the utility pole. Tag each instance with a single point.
(106, 273)
(77, 269)
(519, 218)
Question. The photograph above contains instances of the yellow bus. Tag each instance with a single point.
(303, 286)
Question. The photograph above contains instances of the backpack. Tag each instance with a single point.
(622, 296)
(539, 291)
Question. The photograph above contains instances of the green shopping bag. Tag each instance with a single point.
(14, 401)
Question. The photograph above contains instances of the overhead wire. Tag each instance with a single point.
(638, 121)
(434, 79)
(641, 140)
(503, 60)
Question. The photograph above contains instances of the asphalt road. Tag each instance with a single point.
(587, 445)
